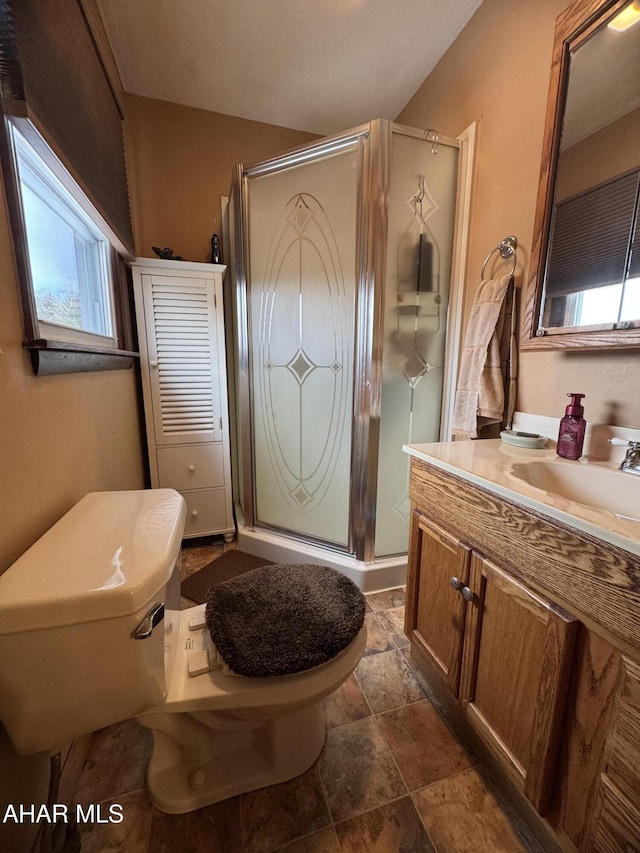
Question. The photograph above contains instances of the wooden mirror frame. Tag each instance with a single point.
(573, 27)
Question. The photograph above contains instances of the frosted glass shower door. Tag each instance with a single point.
(302, 224)
(421, 218)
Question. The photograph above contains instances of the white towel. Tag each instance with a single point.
(486, 382)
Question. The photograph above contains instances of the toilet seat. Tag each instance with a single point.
(215, 690)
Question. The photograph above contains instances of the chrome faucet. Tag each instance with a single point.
(631, 461)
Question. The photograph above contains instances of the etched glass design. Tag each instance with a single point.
(301, 306)
(422, 192)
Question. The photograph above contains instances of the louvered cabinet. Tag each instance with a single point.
(182, 352)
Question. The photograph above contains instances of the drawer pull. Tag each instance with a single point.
(194, 513)
(468, 594)
(191, 469)
(456, 584)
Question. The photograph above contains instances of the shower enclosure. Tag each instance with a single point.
(345, 338)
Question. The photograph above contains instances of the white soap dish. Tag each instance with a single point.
(523, 439)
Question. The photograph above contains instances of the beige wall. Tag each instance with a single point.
(60, 436)
(497, 72)
(64, 436)
(180, 162)
(598, 158)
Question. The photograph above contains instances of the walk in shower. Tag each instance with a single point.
(341, 301)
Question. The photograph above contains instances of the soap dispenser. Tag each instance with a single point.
(572, 427)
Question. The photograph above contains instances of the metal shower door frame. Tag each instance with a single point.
(373, 143)
(365, 139)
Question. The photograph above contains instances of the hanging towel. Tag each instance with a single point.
(486, 382)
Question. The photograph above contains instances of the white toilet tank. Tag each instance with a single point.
(69, 609)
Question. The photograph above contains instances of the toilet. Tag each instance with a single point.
(90, 635)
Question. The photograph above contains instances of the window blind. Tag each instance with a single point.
(590, 237)
(634, 264)
(50, 68)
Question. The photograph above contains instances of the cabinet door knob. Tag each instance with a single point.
(194, 513)
(468, 594)
(153, 363)
(191, 469)
(456, 584)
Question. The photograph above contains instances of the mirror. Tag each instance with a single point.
(584, 289)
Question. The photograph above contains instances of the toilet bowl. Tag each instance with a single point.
(88, 639)
(219, 735)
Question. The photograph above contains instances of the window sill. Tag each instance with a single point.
(50, 357)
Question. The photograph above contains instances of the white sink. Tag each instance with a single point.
(606, 489)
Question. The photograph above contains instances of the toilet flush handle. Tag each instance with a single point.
(153, 617)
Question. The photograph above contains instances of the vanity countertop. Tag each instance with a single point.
(489, 463)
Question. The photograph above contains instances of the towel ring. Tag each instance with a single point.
(507, 249)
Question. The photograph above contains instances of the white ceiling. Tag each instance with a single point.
(316, 65)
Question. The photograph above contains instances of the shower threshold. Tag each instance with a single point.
(384, 573)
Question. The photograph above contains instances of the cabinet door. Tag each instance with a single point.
(617, 826)
(434, 615)
(181, 321)
(516, 660)
(623, 744)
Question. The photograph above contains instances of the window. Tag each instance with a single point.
(68, 255)
(62, 159)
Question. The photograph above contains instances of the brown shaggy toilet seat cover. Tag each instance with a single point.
(284, 618)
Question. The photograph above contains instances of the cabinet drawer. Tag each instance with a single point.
(206, 512)
(198, 466)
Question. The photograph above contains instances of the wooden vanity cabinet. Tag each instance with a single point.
(434, 614)
(503, 652)
(534, 648)
(516, 660)
(618, 823)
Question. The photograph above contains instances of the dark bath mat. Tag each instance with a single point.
(229, 565)
(282, 619)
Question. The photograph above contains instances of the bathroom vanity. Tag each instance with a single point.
(523, 611)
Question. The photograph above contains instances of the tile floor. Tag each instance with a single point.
(392, 777)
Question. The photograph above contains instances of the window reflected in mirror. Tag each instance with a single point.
(592, 270)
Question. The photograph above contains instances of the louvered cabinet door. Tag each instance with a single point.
(181, 322)
(182, 357)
